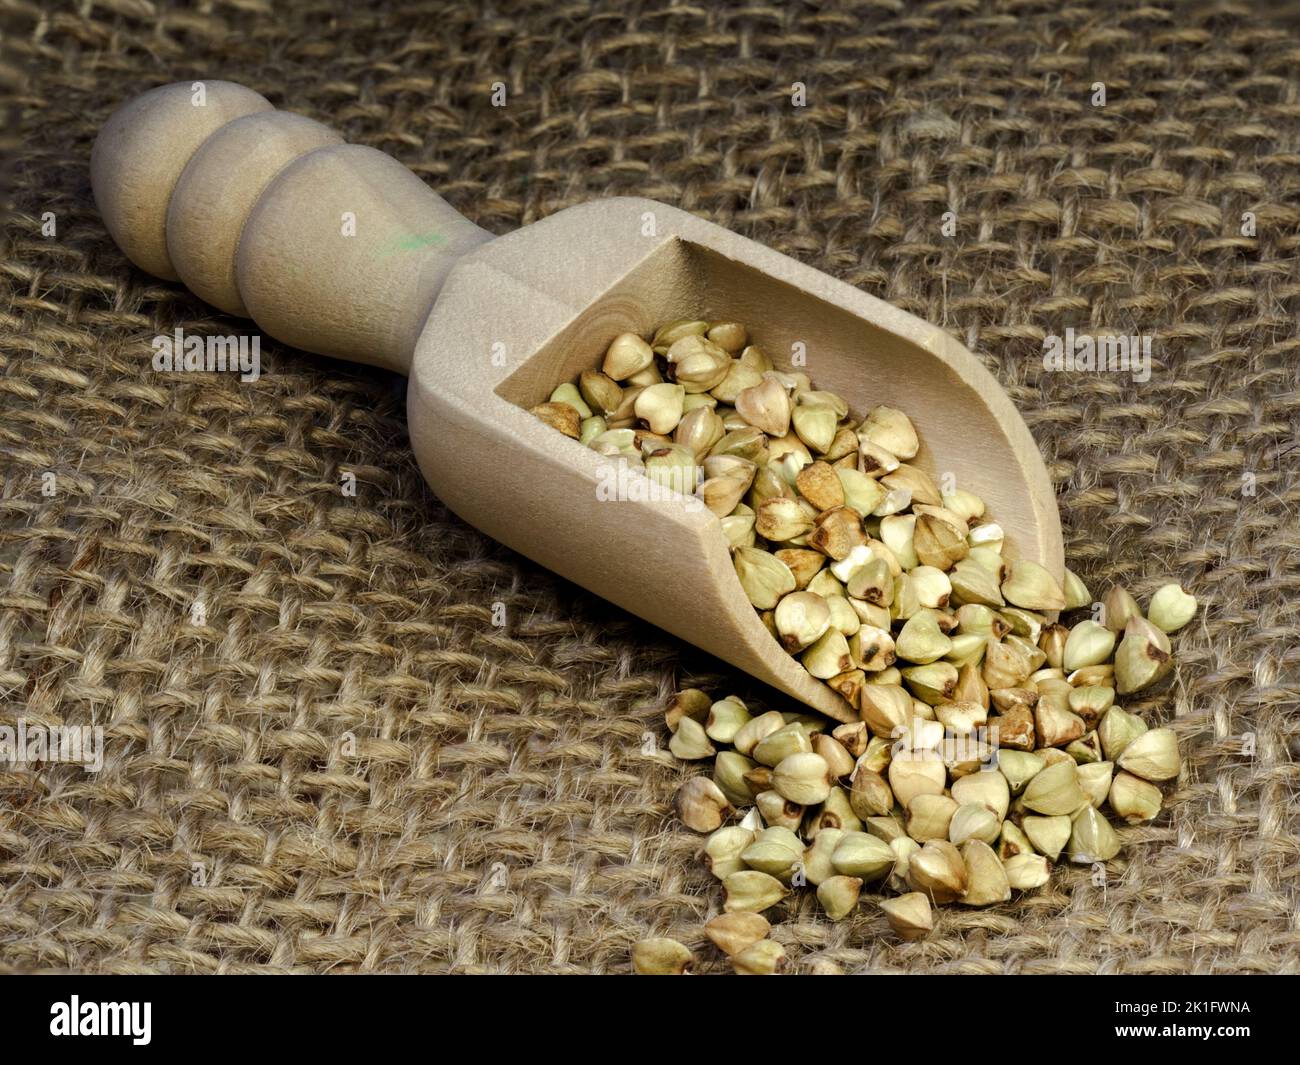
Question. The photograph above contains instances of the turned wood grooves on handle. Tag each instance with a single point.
(331, 247)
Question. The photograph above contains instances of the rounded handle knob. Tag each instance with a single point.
(330, 247)
(140, 153)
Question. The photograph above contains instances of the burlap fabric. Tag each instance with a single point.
(338, 762)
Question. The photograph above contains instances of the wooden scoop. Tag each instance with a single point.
(340, 250)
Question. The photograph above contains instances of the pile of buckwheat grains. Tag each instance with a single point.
(989, 741)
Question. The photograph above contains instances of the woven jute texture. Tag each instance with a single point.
(321, 752)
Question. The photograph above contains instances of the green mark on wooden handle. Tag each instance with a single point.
(412, 242)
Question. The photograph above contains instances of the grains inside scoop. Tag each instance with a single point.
(989, 745)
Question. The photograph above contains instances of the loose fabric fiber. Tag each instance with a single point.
(348, 733)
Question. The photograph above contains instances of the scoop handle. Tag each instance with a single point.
(334, 248)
